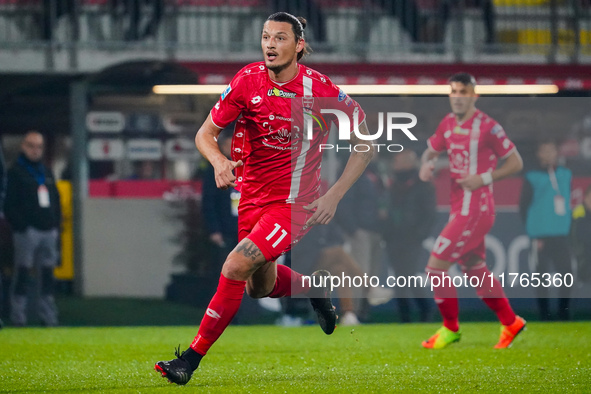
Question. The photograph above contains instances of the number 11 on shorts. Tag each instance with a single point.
(272, 234)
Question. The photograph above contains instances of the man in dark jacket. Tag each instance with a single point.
(2, 182)
(2, 195)
(34, 213)
(411, 214)
(361, 226)
(220, 209)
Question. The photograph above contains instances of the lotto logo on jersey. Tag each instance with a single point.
(280, 93)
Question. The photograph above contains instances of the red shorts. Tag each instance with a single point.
(463, 237)
(274, 228)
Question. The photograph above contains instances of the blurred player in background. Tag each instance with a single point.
(474, 142)
(279, 177)
(411, 213)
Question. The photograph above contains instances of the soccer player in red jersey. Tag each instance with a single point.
(474, 142)
(278, 173)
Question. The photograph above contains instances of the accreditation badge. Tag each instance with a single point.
(559, 205)
(43, 196)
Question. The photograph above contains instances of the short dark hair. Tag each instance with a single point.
(298, 24)
(465, 78)
(544, 140)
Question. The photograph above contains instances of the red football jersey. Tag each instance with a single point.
(473, 147)
(280, 163)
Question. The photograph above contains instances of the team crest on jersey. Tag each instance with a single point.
(459, 130)
(280, 93)
(225, 92)
(459, 162)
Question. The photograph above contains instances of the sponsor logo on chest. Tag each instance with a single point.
(280, 93)
(461, 131)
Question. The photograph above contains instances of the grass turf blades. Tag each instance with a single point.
(373, 358)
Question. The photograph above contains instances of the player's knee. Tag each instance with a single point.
(257, 292)
(237, 267)
(472, 263)
(438, 264)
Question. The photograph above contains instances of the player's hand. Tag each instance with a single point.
(224, 175)
(426, 171)
(471, 182)
(325, 208)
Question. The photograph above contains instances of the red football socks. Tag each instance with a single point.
(221, 310)
(491, 292)
(446, 297)
(288, 283)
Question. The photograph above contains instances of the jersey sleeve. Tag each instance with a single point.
(501, 145)
(345, 104)
(437, 140)
(230, 103)
(348, 105)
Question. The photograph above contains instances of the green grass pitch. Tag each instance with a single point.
(550, 357)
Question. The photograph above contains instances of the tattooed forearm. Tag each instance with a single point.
(248, 249)
(363, 149)
(365, 156)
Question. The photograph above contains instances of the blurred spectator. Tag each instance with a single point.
(411, 214)
(322, 249)
(2, 182)
(307, 9)
(581, 235)
(425, 20)
(446, 7)
(53, 10)
(408, 14)
(144, 170)
(33, 210)
(2, 225)
(545, 208)
(358, 216)
(132, 10)
(220, 208)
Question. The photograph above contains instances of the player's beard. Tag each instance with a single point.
(277, 68)
(460, 115)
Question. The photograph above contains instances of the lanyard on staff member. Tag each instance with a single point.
(559, 202)
(38, 173)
